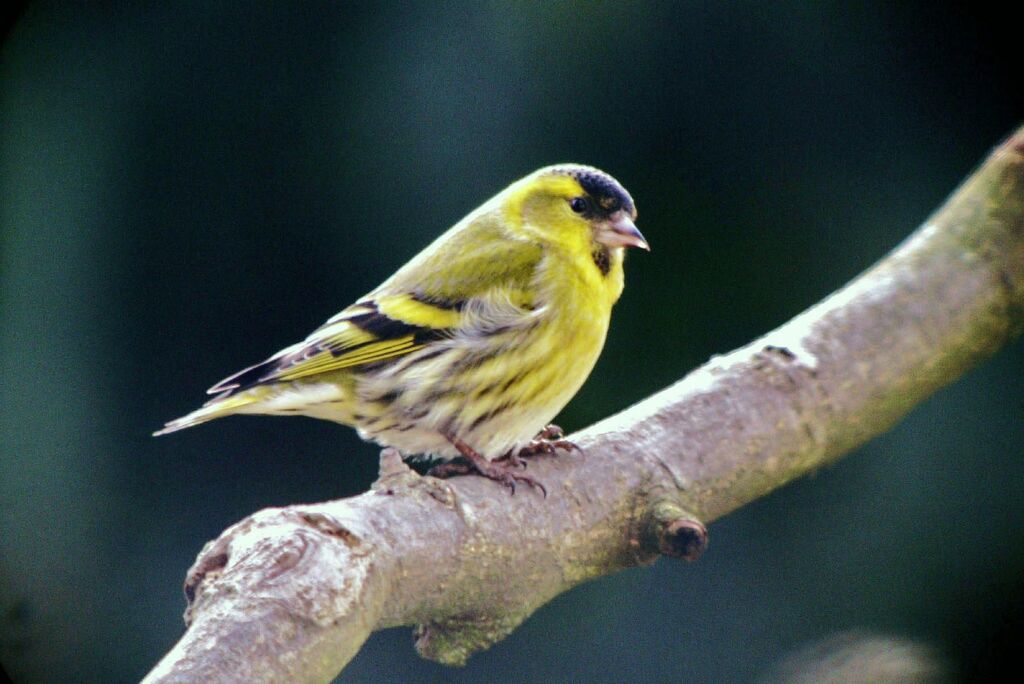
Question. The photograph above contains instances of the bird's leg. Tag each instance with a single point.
(547, 441)
(450, 468)
(499, 471)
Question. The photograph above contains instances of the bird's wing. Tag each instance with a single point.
(429, 299)
(369, 331)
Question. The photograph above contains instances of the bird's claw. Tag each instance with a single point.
(508, 478)
(551, 432)
(500, 470)
(548, 441)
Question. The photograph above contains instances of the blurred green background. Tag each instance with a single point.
(187, 187)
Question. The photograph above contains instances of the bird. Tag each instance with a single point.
(472, 346)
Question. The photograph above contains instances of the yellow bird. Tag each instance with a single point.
(474, 345)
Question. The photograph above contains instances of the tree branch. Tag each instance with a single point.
(291, 594)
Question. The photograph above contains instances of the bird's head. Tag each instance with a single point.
(575, 207)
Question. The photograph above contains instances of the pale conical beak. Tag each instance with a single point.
(622, 232)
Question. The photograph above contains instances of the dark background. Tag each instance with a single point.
(185, 190)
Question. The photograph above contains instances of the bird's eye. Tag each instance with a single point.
(578, 204)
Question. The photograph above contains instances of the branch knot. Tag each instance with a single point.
(675, 532)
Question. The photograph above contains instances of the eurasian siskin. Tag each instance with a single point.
(476, 343)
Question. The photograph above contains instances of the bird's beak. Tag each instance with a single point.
(620, 231)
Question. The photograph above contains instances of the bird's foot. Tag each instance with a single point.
(550, 432)
(511, 459)
(548, 441)
(500, 470)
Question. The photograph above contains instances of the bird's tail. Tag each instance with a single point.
(217, 407)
